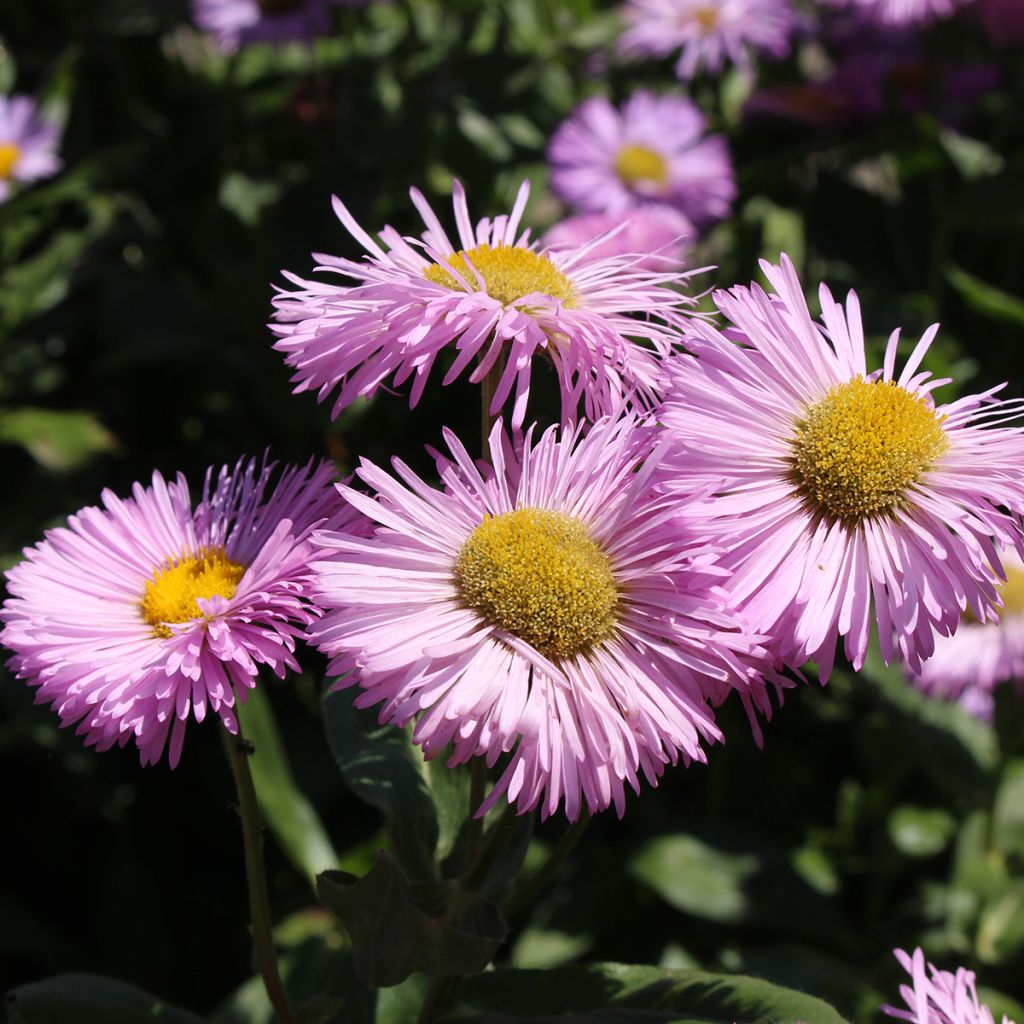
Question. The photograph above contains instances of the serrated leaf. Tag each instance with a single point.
(439, 928)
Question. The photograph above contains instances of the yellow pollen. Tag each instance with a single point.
(537, 574)
(707, 17)
(859, 450)
(509, 272)
(9, 156)
(171, 595)
(637, 164)
(1012, 593)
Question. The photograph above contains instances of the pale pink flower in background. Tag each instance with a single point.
(28, 144)
(140, 615)
(652, 150)
(845, 496)
(709, 33)
(495, 302)
(657, 237)
(938, 997)
(555, 609)
(234, 23)
(968, 665)
(902, 12)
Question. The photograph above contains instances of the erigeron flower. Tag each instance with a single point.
(846, 495)
(28, 144)
(493, 302)
(234, 23)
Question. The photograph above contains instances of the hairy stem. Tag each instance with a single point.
(238, 751)
(524, 894)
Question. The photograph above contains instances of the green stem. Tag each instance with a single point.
(438, 998)
(494, 843)
(528, 891)
(477, 792)
(238, 752)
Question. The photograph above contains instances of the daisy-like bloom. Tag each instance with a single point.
(845, 495)
(710, 33)
(969, 665)
(555, 608)
(938, 997)
(902, 12)
(653, 150)
(495, 302)
(28, 144)
(234, 23)
(146, 612)
(656, 236)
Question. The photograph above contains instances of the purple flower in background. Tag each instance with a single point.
(554, 612)
(653, 150)
(968, 665)
(902, 12)
(492, 301)
(28, 144)
(236, 22)
(938, 997)
(662, 234)
(710, 33)
(848, 501)
(140, 615)
(1003, 20)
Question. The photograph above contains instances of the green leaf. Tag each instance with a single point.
(449, 788)
(383, 768)
(289, 814)
(58, 439)
(920, 831)
(622, 993)
(1001, 926)
(439, 928)
(985, 298)
(1008, 813)
(86, 999)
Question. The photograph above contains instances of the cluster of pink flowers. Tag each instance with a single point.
(734, 502)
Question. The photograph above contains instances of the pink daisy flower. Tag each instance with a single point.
(653, 150)
(938, 997)
(28, 144)
(495, 302)
(139, 615)
(845, 495)
(902, 12)
(659, 235)
(968, 665)
(710, 33)
(234, 23)
(555, 609)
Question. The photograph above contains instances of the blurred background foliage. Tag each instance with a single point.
(134, 290)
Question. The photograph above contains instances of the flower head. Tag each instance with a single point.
(555, 609)
(659, 234)
(653, 150)
(28, 144)
(494, 302)
(845, 495)
(938, 997)
(234, 23)
(902, 12)
(710, 33)
(970, 664)
(143, 613)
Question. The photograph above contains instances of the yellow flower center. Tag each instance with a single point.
(9, 156)
(172, 594)
(1012, 593)
(706, 17)
(858, 451)
(509, 272)
(538, 575)
(637, 164)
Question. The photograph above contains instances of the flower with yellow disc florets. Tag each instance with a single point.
(139, 615)
(493, 302)
(844, 496)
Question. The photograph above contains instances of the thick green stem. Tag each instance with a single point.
(494, 843)
(238, 752)
(477, 792)
(528, 891)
